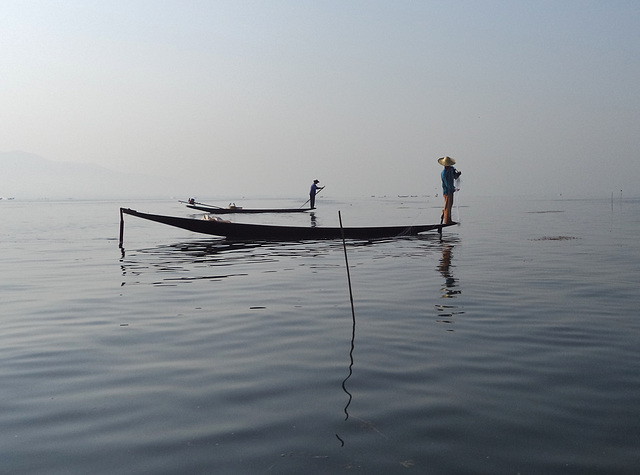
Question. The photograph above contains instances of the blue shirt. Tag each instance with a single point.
(448, 176)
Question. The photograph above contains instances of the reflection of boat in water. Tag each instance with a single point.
(262, 232)
(212, 259)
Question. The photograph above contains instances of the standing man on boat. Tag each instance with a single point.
(448, 175)
(313, 192)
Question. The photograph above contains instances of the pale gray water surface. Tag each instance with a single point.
(508, 346)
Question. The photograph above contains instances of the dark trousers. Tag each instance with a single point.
(312, 200)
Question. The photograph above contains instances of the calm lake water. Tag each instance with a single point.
(511, 345)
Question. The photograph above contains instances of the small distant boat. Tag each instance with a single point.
(262, 232)
(239, 209)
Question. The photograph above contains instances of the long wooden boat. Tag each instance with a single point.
(237, 209)
(263, 232)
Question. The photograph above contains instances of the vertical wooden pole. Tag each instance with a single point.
(346, 260)
(121, 227)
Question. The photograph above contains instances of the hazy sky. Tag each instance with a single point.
(530, 97)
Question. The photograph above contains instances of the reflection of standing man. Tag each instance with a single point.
(448, 175)
(313, 192)
(446, 312)
(445, 271)
(445, 265)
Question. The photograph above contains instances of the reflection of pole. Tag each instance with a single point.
(344, 382)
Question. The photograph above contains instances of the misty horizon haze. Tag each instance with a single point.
(241, 98)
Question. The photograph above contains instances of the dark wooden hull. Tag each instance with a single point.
(262, 232)
(213, 210)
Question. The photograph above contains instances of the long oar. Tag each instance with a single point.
(203, 204)
(210, 206)
(310, 198)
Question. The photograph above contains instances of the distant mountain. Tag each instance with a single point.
(27, 176)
